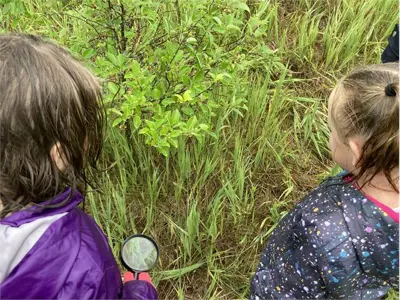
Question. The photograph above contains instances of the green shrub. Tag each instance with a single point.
(239, 87)
(169, 67)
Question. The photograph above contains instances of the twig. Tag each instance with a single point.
(123, 37)
(88, 22)
(111, 8)
(182, 41)
(178, 11)
(206, 90)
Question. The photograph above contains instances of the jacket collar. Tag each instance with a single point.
(39, 211)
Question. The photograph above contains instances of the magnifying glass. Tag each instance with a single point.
(139, 253)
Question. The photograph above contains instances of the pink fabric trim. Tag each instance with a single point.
(391, 213)
(386, 209)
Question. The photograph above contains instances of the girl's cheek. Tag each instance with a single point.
(332, 144)
(335, 151)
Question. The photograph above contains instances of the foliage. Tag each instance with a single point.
(233, 92)
(161, 60)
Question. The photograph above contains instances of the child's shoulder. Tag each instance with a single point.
(324, 205)
(322, 215)
(64, 233)
(330, 196)
(92, 242)
(72, 250)
(330, 214)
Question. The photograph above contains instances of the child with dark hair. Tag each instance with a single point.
(50, 133)
(342, 240)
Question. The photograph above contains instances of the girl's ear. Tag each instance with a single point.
(356, 148)
(58, 157)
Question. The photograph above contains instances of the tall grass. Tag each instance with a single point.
(211, 206)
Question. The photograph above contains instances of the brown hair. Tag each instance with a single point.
(47, 97)
(365, 103)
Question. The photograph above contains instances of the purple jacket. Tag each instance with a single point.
(60, 253)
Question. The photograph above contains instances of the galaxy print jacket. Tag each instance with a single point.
(335, 244)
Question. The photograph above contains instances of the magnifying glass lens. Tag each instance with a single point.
(139, 253)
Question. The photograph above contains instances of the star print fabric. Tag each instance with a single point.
(335, 244)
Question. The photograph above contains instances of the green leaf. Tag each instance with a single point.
(88, 53)
(175, 133)
(144, 131)
(158, 123)
(167, 102)
(188, 111)
(121, 60)
(164, 130)
(137, 121)
(213, 104)
(116, 111)
(260, 31)
(204, 127)
(220, 30)
(180, 98)
(136, 67)
(199, 76)
(241, 6)
(112, 58)
(110, 48)
(173, 142)
(233, 27)
(112, 87)
(176, 116)
(187, 96)
(164, 151)
(117, 121)
(186, 80)
(217, 20)
(156, 94)
(204, 109)
(192, 122)
(212, 134)
(219, 77)
(191, 40)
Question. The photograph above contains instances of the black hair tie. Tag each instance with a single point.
(390, 91)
